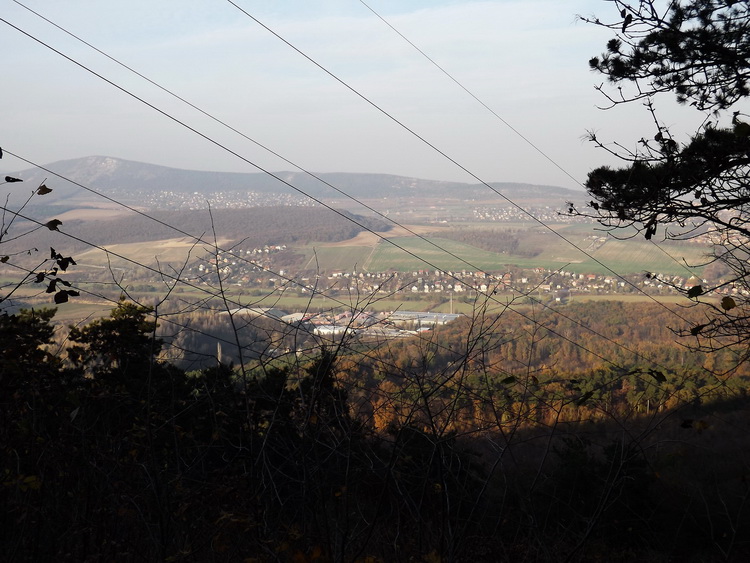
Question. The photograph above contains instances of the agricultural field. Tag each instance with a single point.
(175, 251)
(444, 255)
(336, 257)
(413, 253)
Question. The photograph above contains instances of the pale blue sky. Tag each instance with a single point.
(526, 59)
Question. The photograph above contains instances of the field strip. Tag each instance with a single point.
(368, 260)
(367, 238)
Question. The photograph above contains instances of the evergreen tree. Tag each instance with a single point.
(697, 51)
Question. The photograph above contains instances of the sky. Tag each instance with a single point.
(526, 60)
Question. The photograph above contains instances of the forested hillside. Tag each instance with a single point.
(254, 226)
(489, 440)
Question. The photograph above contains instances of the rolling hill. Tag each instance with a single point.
(113, 175)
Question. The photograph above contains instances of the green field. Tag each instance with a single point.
(330, 258)
(639, 255)
(402, 255)
(413, 253)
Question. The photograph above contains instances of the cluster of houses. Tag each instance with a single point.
(547, 214)
(256, 271)
(471, 283)
(175, 200)
(242, 261)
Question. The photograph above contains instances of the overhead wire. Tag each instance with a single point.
(317, 177)
(516, 131)
(220, 145)
(257, 143)
(470, 93)
(211, 140)
(283, 181)
(450, 159)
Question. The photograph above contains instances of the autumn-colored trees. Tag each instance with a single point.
(447, 449)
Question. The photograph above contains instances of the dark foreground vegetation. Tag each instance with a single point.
(430, 450)
(583, 435)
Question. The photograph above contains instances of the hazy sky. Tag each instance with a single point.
(525, 59)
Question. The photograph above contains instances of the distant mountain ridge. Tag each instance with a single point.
(109, 174)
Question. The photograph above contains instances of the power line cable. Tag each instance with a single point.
(289, 184)
(300, 191)
(221, 146)
(450, 159)
(499, 117)
(293, 281)
(317, 177)
(317, 200)
(371, 209)
(257, 143)
(470, 93)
